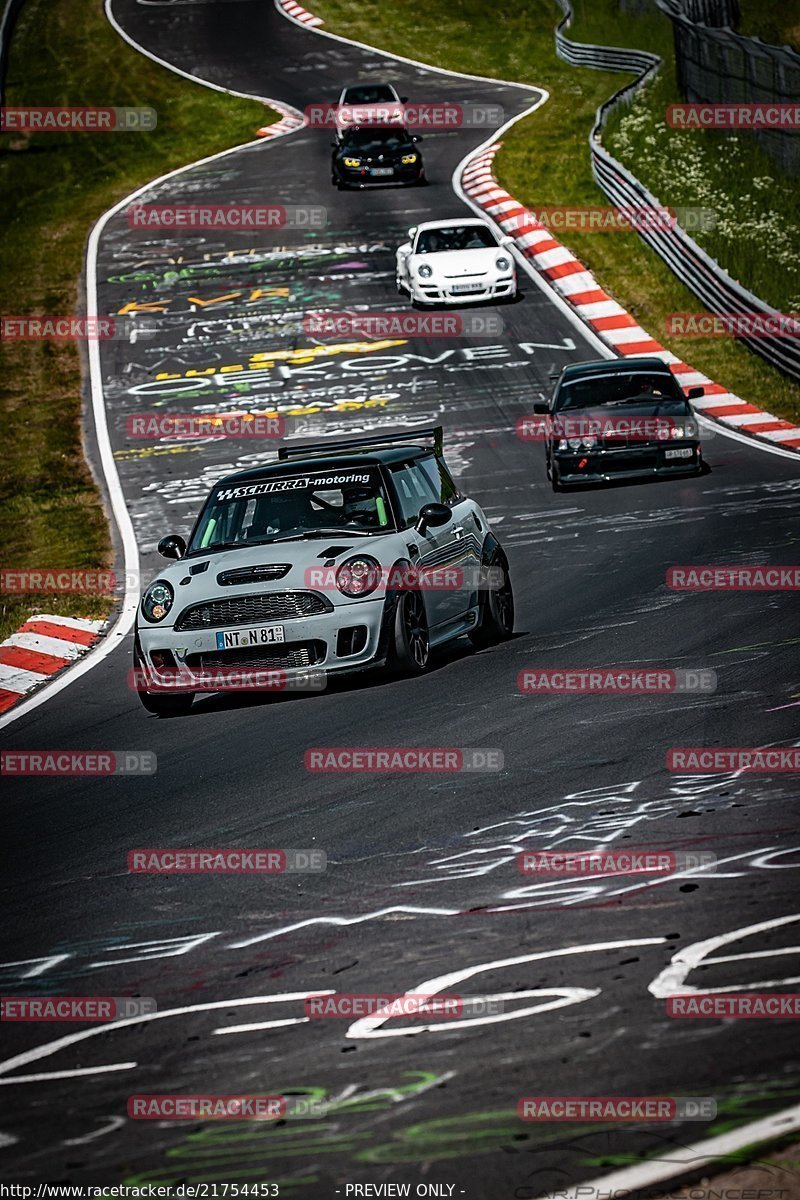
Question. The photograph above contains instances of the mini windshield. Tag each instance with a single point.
(378, 93)
(619, 388)
(455, 237)
(375, 141)
(294, 505)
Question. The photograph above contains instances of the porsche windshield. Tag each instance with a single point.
(296, 505)
(379, 93)
(455, 237)
(638, 387)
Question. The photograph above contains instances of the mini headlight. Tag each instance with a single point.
(157, 601)
(574, 443)
(562, 443)
(690, 429)
(425, 271)
(407, 159)
(502, 263)
(589, 442)
(352, 162)
(676, 431)
(358, 576)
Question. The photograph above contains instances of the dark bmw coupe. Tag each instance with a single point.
(375, 155)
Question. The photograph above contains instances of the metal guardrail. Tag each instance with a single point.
(7, 20)
(689, 262)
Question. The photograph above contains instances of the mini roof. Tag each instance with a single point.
(318, 465)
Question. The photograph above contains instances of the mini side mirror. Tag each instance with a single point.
(172, 546)
(404, 99)
(432, 516)
(695, 393)
(541, 407)
(416, 137)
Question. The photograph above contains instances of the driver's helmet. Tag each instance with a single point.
(280, 512)
(360, 507)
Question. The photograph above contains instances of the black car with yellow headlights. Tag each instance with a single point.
(376, 155)
(624, 418)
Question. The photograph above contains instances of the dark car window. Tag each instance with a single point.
(439, 479)
(414, 488)
(373, 94)
(619, 388)
(455, 237)
(370, 141)
(293, 504)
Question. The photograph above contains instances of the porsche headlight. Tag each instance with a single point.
(502, 263)
(352, 162)
(358, 576)
(425, 271)
(408, 159)
(157, 601)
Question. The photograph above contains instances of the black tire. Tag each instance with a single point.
(401, 291)
(496, 614)
(410, 648)
(167, 706)
(555, 482)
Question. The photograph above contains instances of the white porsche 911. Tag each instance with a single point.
(456, 262)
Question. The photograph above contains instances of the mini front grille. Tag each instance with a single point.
(251, 610)
(256, 658)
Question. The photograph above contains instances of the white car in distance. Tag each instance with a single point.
(369, 104)
(455, 262)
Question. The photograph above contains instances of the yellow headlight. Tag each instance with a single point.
(352, 162)
(407, 159)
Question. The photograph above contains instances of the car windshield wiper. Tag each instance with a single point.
(326, 533)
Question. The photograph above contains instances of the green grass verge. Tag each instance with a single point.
(774, 21)
(545, 158)
(53, 187)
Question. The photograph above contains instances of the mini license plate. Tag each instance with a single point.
(467, 287)
(261, 636)
(382, 171)
(683, 452)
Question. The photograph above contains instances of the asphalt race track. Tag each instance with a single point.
(422, 882)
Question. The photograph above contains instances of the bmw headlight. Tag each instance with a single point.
(352, 162)
(408, 159)
(502, 263)
(157, 601)
(358, 576)
(425, 271)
